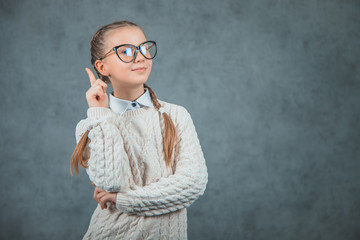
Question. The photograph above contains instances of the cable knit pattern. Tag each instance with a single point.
(126, 156)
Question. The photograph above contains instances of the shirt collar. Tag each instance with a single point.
(120, 105)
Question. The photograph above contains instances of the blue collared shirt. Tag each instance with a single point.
(120, 105)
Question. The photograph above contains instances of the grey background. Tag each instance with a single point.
(272, 87)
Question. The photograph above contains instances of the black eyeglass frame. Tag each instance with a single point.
(135, 54)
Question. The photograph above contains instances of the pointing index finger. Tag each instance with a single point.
(91, 76)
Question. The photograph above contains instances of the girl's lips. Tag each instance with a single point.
(139, 69)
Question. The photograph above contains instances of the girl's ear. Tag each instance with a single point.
(101, 68)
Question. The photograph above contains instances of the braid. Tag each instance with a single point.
(153, 97)
(170, 131)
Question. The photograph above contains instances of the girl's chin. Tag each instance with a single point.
(135, 82)
(140, 79)
(133, 79)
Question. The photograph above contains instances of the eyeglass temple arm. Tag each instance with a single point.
(106, 54)
(152, 45)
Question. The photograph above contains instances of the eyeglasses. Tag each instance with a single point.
(127, 52)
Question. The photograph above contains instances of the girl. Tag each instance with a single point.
(142, 154)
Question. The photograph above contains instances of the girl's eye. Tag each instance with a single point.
(143, 49)
(128, 52)
(125, 51)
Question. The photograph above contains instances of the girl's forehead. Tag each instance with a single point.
(124, 35)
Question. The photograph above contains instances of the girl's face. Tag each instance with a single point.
(126, 74)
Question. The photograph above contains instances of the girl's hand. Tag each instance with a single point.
(101, 196)
(96, 95)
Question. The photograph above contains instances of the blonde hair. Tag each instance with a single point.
(96, 51)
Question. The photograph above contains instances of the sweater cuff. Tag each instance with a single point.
(98, 112)
(122, 202)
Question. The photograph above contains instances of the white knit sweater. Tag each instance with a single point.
(126, 156)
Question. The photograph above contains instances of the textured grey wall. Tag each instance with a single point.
(272, 86)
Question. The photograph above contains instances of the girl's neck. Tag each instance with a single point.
(130, 94)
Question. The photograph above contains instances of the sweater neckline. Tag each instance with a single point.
(139, 111)
(135, 112)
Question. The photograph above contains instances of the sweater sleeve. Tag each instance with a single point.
(106, 166)
(178, 190)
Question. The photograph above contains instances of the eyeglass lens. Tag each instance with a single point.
(127, 52)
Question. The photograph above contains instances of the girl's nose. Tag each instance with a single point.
(139, 57)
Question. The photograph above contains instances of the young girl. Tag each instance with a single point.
(142, 154)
